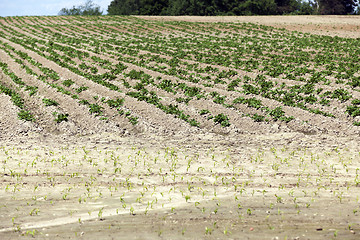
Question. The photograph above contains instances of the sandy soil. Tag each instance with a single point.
(92, 179)
(342, 26)
(280, 186)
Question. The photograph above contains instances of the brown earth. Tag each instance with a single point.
(342, 26)
(89, 178)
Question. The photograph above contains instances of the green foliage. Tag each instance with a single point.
(26, 115)
(183, 100)
(17, 100)
(118, 102)
(311, 99)
(337, 7)
(283, 72)
(279, 114)
(68, 82)
(138, 7)
(81, 89)
(354, 109)
(133, 120)
(258, 118)
(341, 94)
(190, 91)
(250, 89)
(233, 85)
(194, 123)
(31, 89)
(50, 102)
(15, 97)
(204, 112)
(60, 117)
(305, 8)
(354, 82)
(222, 119)
(251, 102)
(209, 8)
(167, 85)
(93, 70)
(84, 102)
(324, 102)
(219, 99)
(260, 7)
(288, 6)
(356, 124)
(95, 109)
(88, 8)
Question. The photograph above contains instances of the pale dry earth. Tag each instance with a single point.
(342, 26)
(279, 186)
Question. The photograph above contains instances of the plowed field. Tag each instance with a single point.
(151, 127)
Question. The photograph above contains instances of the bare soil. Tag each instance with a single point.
(342, 26)
(249, 186)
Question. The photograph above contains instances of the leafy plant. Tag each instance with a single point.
(31, 89)
(277, 113)
(60, 117)
(204, 112)
(26, 115)
(118, 102)
(68, 82)
(133, 120)
(341, 94)
(81, 89)
(95, 109)
(257, 117)
(84, 102)
(49, 102)
(222, 119)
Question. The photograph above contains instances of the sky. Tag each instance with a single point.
(42, 7)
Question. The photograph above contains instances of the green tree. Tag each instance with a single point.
(263, 7)
(230, 7)
(137, 7)
(306, 7)
(286, 6)
(124, 7)
(253, 7)
(177, 7)
(88, 8)
(153, 7)
(337, 7)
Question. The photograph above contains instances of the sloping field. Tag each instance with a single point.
(129, 127)
(328, 25)
(86, 75)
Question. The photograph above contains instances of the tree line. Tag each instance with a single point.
(218, 7)
(88, 8)
(232, 7)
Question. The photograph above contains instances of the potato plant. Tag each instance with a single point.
(75, 52)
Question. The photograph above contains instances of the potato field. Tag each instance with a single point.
(139, 128)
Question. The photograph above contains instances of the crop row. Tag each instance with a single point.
(51, 78)
(217, 60)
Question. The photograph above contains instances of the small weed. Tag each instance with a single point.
(60, 117)
(208, 231)
(95, 109)
(68, 83)
(26, 115)
(222, 119)
(50, 102)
